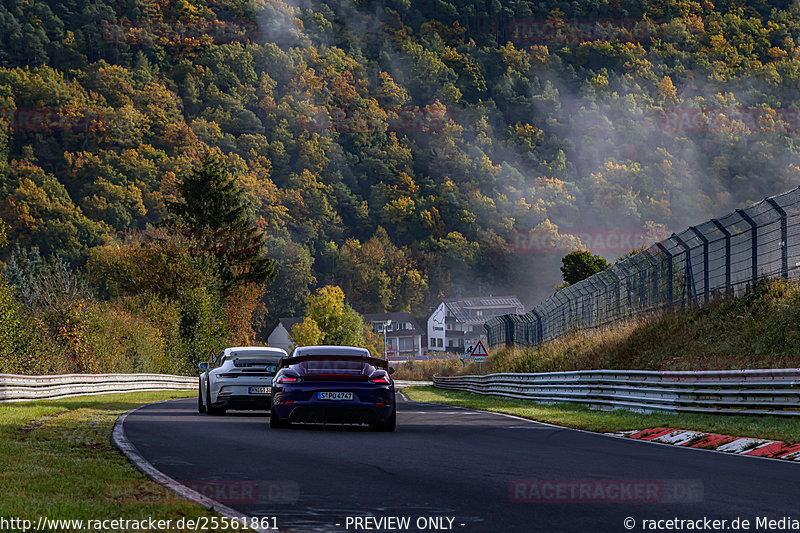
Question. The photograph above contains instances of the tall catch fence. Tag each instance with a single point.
(721, 258)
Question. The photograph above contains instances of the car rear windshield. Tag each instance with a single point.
(250, 362)
(333, 366)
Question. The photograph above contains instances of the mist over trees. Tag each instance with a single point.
(391, 148)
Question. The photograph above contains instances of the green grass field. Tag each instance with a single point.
(577, 416)
(57, 461)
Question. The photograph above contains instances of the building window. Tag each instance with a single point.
(479, 313)
(440, 342)
(450, 343)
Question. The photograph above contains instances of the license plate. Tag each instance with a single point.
(260, 390)
(335, 395)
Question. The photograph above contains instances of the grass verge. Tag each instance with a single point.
(581, 417)
(57, 461)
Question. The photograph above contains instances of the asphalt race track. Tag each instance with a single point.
(450, 469)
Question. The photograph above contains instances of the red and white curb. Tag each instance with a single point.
(773, 449)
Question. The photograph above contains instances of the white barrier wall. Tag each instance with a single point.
(752, 392)
(15, 387)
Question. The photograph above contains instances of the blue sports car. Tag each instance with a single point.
(333, 384)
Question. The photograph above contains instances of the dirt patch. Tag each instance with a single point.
(37, 423)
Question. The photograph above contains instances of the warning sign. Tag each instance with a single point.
(479, 350)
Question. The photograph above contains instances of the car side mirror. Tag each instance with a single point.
(391, 370)
(203, 366)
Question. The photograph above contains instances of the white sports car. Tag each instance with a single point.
(240, 378)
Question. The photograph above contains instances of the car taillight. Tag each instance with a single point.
(380, 380)
(288, 379)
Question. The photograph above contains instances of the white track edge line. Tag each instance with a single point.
(626, 439)
(121, 442)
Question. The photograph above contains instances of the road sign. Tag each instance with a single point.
(469, 346)
(479, 350)
(479, 358)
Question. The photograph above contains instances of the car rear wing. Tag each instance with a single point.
(374, 361)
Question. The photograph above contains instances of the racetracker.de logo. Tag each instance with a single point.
(50, 119)
(399, 119)
(172, 32)
(605, 491)
(598, 241)
(727, 119)
(543, 31)
(213, 242)
(228, 492)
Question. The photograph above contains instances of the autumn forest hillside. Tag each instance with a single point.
(393, 148)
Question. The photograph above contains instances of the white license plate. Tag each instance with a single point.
(260, 390)
(335, 395)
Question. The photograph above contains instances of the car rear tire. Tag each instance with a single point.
(211, 409)
(390, 424)
(274, 421)
(277, 423)
(201, 407)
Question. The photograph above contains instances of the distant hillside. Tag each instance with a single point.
(395, 148)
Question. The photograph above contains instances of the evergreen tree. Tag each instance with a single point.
(214, 213)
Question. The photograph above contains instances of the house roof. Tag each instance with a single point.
(289, 322)
(459, 308)
(398, 316)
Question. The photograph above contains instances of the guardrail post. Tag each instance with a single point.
(703, 238)
(753, 244)
(727, 234)
(784, 237)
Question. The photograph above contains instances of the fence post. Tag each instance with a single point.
(688, 281)
(539, 335)
(784, 237)
(724, 230)
(623, 266)
(617, 291)
(753, 244)
(703, 238)
(670, 288)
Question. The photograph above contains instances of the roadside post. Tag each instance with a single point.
(385, 325)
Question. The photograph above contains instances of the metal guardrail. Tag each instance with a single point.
(719, 258)
(15, 388)
(751, 392)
